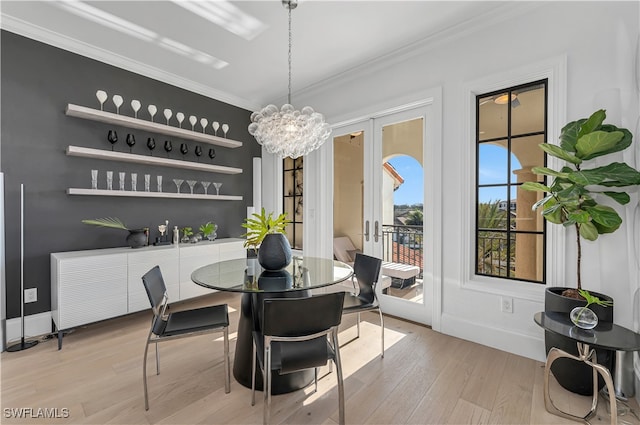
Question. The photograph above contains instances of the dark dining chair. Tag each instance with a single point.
(298, 334)
(366, 271)
(180, 324)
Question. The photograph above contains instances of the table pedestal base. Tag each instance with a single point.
(587, 356)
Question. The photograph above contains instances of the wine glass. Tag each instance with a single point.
(131, 141)
(117, 100)
(168, 147)
(203, 123)
(152, 111)
(193, 120)
(135, 105)
(191, 184)
(102, 97)
(216, 126)
(178, 183)
(180, 118)
(184, 149)
(212, 153)
(112, 137)
(151, 144)
(206, 187)
(217, 186)
(198, 152)
(167, 114)
(225, 128)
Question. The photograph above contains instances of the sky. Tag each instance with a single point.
(492, 169)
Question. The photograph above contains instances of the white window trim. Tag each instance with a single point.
(555, 71)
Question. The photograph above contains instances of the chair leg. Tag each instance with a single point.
(338, 363)
(253, 374)
(267, 383)
(315, 371)
(157, 360)
(144, 376)
(227, 371)
(381, 330)
(358, 326)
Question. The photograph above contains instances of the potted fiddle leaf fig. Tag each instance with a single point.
(266, 234)
(574, 198)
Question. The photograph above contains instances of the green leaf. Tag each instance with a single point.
(620, 197)
(549, 172)
(541, 202)
(616, 174)
(536, 187)
(553, 211)
(569, 135)
(588, 231)
(605, 216)
(592, 123)
(624, 143)
(558, 152)
(112, 222)
(579, 216)
(593, 144)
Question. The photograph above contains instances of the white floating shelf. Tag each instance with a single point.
(150, 160)
(132, 194)
(154, 127)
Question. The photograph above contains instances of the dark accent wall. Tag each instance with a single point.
(37, 82)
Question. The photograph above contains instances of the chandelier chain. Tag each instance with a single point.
(290, 40)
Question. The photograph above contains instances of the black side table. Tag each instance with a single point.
(606, 335)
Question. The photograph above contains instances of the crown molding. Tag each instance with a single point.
(52, 38)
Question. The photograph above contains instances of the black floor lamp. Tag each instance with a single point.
(22, 345)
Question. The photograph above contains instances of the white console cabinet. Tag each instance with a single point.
(89, 286)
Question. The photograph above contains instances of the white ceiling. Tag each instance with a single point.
(329, 38)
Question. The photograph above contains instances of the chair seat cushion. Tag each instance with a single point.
(199, 319)
(353, 302)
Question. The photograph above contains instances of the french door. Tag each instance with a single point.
(381, 183)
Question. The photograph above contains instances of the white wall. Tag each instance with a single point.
(598, 40)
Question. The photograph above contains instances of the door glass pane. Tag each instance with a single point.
(348, 163)
(402, 200)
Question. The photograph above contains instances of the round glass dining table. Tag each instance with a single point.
(247, 276)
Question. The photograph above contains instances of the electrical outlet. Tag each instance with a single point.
(30, 295)
(506, 304)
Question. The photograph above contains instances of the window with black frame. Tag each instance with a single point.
(292, 173)
(510, 236)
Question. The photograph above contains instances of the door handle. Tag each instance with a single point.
(366, 230)
(375, 234)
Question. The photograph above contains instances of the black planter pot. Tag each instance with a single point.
(274, 252)
(572, 375)
(137, 238)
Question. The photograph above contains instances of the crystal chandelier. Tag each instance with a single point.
(287, 132)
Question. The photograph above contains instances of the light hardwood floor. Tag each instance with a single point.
(424, 378)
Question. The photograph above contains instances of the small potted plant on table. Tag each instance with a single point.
(267, 235)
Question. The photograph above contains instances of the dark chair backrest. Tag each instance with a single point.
(366, 269)
(292, 317)
(155, 287)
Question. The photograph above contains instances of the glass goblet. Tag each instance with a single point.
(112, 137)
(203, 123)
(206, 185)
(102, 97)
(167, 114)
(168, 147)
(152, 111)
(191, 184)
(217, 186)
(216, 126)
(131, 141)
(178, 183)
(225, 129)
(135, 105)
(193, 120)
(212, 153)
(151, 144)
(198, 152)
(117, 100)
(184, 149)
(180, 118)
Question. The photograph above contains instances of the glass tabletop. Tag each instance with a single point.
(246, 275)
(606, 335)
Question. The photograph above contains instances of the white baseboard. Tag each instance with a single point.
(34, 325)
(511, 342)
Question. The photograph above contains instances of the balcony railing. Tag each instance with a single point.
(403, 244)
(493, 258)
